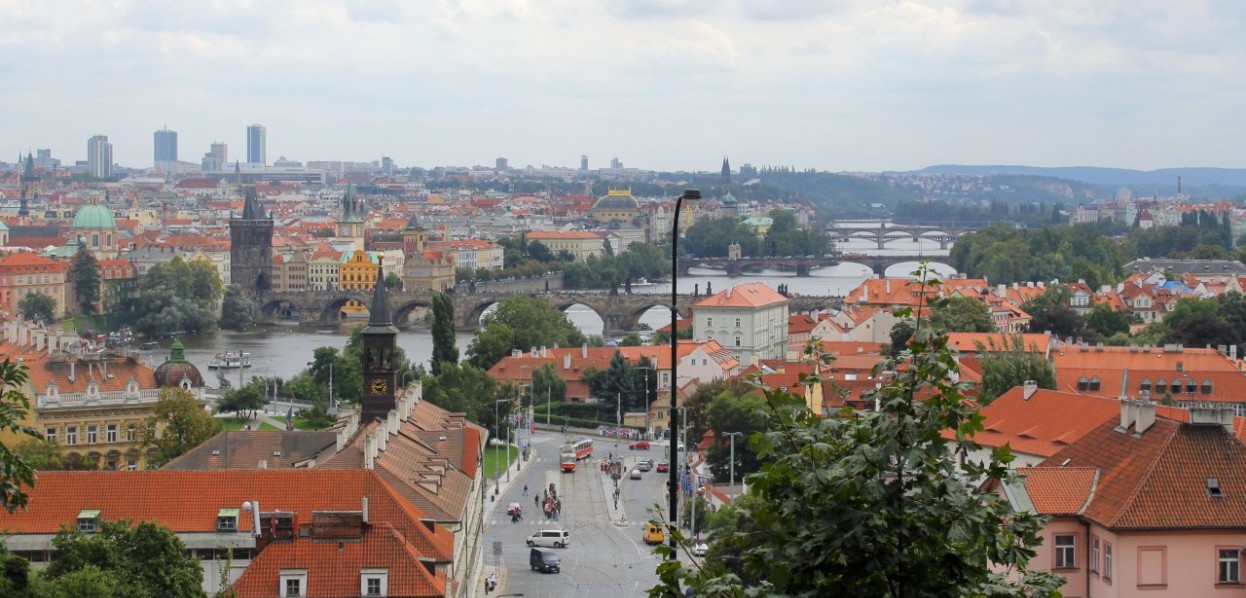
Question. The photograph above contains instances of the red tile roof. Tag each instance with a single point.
(1043, 424)
(752, 294)
(1059, 490)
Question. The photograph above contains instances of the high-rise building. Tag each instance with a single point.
(165, 147)
(257, 139)
(501, 165)
(99, 157)
(583, 163)
(387, 165)
(217, 158)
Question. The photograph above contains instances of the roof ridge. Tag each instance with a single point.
(1128, 503)
(1090, 496)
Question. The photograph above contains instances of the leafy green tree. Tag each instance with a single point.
(710, 237)
(85, 272)
(1196, 322)
(15, 576)
(178, 297)
(237, 311)
(1106, 322)
(15, 471)
(141, 560)
(1006, 367)
(962, 314)
(631, 339)
(1050, 312)
(734, 413)
(37, 307)
(872, 503)
(46, 455)
(546, 382)
(393, 282)
(177, 424)
(318, 416)
(468, 389)
(243, 401)
(445, 349)
(530, 322)
(698, 405)
(900, 334)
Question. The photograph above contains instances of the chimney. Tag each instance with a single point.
(534, 352)
(887, 282)
(1129, 413)
(544, 351)
(1001, 290)
(584, 349)
(566, 361)
(72, 367)
(1233, 352)
(1028, 389)
(1146, 416)
(365, 510)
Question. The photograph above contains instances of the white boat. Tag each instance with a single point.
(229, 360)
(641, 282)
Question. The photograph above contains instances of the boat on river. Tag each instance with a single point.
(230, 360)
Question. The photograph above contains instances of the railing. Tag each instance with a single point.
(110, 397)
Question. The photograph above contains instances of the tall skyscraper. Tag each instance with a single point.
(217, 158)
(99, 157)
(165, 147)
(583, 163)
(257, 138)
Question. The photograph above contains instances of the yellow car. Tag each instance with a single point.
(654, 533)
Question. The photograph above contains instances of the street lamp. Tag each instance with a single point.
(647, 369)
(732, 435)
(254, 509)
(689, 194)
(497, 431)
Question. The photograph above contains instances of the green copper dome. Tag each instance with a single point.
(94, 216)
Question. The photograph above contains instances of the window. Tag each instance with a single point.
(373, 586)
(1175, 387)
(1095, 384)
(93, 434)
(1206, 387)
(1094, 554)
(130, 432)
(1107, 560)
(1230, 566)
(737, 322)
(1161, 386)
(1145, 386)
(227, 520)
(87, 519)
(293, 587)
(71, 435)
(737, 341)
(709, 322)
(50, 434)
(1191, 387)
(111, 434)
(293, 582)
(374, 582)
(1066, 552)
(1083, 384)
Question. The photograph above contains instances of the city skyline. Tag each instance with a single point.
(657, 84)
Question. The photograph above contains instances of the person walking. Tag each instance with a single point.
(537, 501)
(525, 489)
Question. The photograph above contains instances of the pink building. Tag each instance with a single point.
(1143, 506)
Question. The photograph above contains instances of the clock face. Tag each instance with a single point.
(379, 386)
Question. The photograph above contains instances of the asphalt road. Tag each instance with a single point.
(606, 557)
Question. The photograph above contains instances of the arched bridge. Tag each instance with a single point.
(736, 267)
(620, 313)
(883, 231)
(880, 263)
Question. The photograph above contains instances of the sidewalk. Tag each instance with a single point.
(493, 499)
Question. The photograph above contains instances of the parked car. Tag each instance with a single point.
(635, 475)
(640, 445)
(700, 548)
(645, 464)
(664, 466)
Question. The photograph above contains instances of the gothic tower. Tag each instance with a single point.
(350, 226)
(30, 185)
(380, 361)
(726, 176)
(251, 247)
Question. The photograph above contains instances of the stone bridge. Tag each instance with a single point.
(736, 267)
(885, 231)
(620, 313)
(880, 263)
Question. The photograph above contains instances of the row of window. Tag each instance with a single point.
(91, 434)
(372, 582)
(1162, 387)
(1228, 560)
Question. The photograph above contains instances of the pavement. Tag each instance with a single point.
(492, 505)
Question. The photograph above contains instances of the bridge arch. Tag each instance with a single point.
(469, 319)
(269, 311)
(331, 309)
(402, 311)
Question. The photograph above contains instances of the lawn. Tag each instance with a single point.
(302, 424)
(496, 455)
(265, 426)
(230, 424)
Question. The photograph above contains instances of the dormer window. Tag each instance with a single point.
(1213, 488)
(227, 520)
(1083, 384)
(1145, 386)
(293, 583)
(88, 520)
(374, 582)
(1206, 387)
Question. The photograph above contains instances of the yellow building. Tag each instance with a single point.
(23, 274)
(357, 272)
(580, 243)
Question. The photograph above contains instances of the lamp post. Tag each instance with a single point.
(647, 369)
(497, 430)
(254, 508)
(732, 435)
(689, 194)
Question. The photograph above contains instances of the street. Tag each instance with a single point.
(607, 556)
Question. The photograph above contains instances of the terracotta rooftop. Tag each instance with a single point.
(1059, 490)
(752, 294)
(248, 450)
(1043, 424)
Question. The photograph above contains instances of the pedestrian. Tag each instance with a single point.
(537, 501)
(525, 489)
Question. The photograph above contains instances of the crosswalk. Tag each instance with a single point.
(550, 523)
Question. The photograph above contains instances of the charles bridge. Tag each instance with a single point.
(737, 266)
(620, 313)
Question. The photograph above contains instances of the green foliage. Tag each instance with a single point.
(730, 412)
(15, 575)
(1009, 366)
(872, 503)
(46, 455)
(709, 237)
(468, 389)
(699, 404)
(962, 314)
(785, 237)
(124, 559)
(15, 471)
(1199, 321)
(316, 418)
(1050, 312)
(243, 401)
(177, 424)
(526, 322)
(1201, 234)
(1106, 322)
(444, 348)
(237, 311)
(37, 307)
(900, 334)
(178, 297)
(85, 272)
(393, 282)
(1005, 254)
(632, 339)
(547, 383)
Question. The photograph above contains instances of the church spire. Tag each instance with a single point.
(726, 175)
(251, 208)
(380, 343)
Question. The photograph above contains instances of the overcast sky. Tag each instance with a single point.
(659, 84)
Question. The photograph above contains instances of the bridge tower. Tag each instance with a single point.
(380, 342)
(251, 247)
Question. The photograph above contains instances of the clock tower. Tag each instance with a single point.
(380, 343)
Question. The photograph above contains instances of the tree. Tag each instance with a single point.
(962, 314)
(37, 307)
(901, 332)
(85, 272)
(530, 322)
(46, 455)
(1196, 322)
(546, 381)
(15, 472)
(243, 401)
(1012, 365)
(142, 560)
(178, 297)
(1106, 322)
(445, 347)
(468, 389)
(872, 503)
(177, 424)
(393, 282)
(237, 311)
(318, 417)
(1050, 311)
(734, 413)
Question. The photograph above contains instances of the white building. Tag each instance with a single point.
(750, 320)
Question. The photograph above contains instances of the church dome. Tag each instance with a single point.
(176, 369)
(729, 200)
(617, 199)
(95, 215)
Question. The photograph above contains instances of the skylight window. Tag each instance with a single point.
(1213, 487)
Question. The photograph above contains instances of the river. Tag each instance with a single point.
(285, 350)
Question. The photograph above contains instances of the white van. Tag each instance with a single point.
(557, 538)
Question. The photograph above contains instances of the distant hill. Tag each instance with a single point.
(1193, 177)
